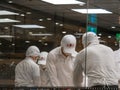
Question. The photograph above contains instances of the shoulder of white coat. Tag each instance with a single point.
(55, 50)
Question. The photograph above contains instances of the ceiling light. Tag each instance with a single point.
(6, 36)
(45, 44)
(27, 41)
(92, 11)
(22, 15)
(0, 43)
(28, 13)
(100, 34)
(13, 44)
(6, 27)
(49, 19)
(61, 25)
(29, 26)
(39, 40)
(10, 1)
(6, 20)
(40, 19)
(58, 2)
(40, 34)
(4, 12)
(64, 32)
(113, 27)
(56, 23)
(109, 36)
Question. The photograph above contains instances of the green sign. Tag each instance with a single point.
(92, 29)
(118, 36)
(92, 18)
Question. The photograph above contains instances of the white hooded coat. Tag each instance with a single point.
(60, 68)
(27, 72)
(117, 57)
(97, 61)
(45, 81)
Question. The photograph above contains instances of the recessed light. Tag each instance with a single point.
(13, 44)
(109, 36)
(100, 34)
(41, 20)
(22, 15)
(45, 44)
(113, 27)
(10, 1)
(64, 32)
(49, 19)
(27, 41)
(28, 13)
(56, 23)
(39, 40)
(6, 27)
(61, 25)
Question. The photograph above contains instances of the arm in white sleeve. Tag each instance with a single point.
(52, 70)
(36, 77)
(78, 73)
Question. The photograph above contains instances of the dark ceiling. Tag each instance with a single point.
(56, 19)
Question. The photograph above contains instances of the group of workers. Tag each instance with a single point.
(93, 66)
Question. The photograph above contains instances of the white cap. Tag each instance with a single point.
(32, 51)
(43, 58)
(68, 43)
(89, 37)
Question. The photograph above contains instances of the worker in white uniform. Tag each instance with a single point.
(98, 63)
(117, 58)
(27, 72)
(60, 62)
(43, 71)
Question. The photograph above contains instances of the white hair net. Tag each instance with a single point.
(68, 43)
(88, 38)
(32, 51)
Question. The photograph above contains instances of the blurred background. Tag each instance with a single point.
(43, 23)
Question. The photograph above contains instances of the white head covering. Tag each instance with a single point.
(43, 58)
(68, 43)
(32, 51)
(89, 37)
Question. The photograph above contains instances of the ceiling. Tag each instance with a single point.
(56, 19)
(104, 20)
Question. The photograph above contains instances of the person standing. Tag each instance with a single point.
(27, 72)
(60, 62)
(43, 70)
(98, 63)
(117, 59)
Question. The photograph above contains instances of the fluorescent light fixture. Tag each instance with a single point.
(46, 34)
(7, 20)
(4, 12)
(29, 26)
(58, 2)
(6, 36)
(92, 11)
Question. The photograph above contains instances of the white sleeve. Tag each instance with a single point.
(52, 70)
(78, 73)
(36, 76)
